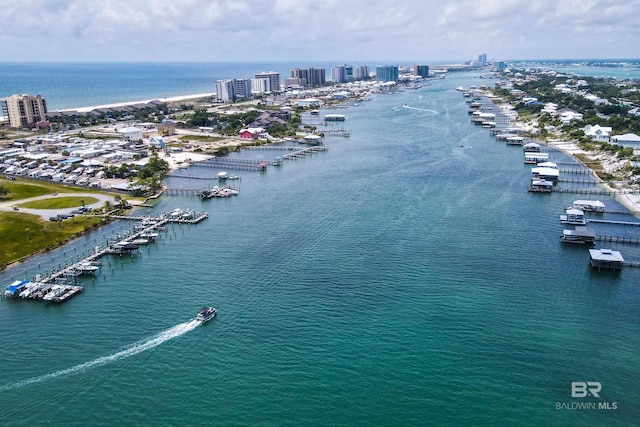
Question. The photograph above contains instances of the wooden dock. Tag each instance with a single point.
(619, 239)
(608, 221)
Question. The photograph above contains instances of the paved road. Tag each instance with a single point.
(47, 213)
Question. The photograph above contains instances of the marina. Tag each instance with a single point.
(59, 285)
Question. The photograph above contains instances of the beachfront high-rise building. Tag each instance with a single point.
(317, 77)
(274, 79)
(348, 69)
(482, 59)
(339, 74)
(387, 73)
(312, 76)
(421, 70)
(24, 110)
(225, 91)
(232, 89)
(242, 88)
(361, 72)
(261, 85)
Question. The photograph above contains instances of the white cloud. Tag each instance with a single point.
(303, 29)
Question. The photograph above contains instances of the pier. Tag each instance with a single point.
(608, 221)
(619, 239)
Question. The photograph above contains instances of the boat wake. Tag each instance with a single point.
(132, 350)
(434, 112)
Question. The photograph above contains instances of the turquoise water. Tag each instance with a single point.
(405, 276)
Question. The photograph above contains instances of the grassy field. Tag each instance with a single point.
(58, 203)
(24, 189)
(23, 234)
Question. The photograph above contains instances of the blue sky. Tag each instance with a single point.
(302, 30)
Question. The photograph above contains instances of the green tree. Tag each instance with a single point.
(200, 117)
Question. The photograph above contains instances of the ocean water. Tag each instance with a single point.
(82, 84)
(403, 277)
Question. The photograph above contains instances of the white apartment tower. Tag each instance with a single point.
(274, 79)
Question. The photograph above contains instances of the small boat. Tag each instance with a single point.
(206, 314)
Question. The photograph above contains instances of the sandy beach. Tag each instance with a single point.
(124, 104)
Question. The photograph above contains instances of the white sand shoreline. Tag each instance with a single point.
(124, 104)
(630, 201)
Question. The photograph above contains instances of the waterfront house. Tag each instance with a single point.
(597, 133)
(606, 258)
(567, 115)
(581, 235)
(251, 133)
(627, 140)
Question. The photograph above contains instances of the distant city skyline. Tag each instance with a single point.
(288, 30)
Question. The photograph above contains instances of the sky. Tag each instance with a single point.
(302, 30)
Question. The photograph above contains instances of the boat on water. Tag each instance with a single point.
(206, 314)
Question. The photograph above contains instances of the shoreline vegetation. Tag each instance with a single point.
(539, 97)
(194, 146)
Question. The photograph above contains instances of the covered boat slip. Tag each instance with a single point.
(515, 140)
(581, 235)
(531, 147)
(589, 205)
(573, 216)
(541, 186)
(547, 174)
(535, 158)
(606, 259)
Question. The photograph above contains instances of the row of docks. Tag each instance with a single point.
(59, 284)
(546, 175)
(236, 164)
